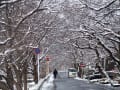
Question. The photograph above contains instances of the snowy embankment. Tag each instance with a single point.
(33, 86)
(48, 85)
(83, 79)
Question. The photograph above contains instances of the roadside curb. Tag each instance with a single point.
(40, 83)
(45, 79)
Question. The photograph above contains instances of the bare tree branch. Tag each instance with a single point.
(108, 5)
(4, 2)
(28, 15)
(110, 53)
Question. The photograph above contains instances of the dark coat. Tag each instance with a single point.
(55, 72)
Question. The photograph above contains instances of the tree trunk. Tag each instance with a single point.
(3, 86)
(19, 81)
(9, 79)
(25, 76)
(18, 74)
(35, 74)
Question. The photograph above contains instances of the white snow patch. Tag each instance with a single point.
(5, 41)
(61, 15)
(1, 54)
(80, 79)
(9, 1)
(3, 31)
(36, 86)
(9, 50)
(48, 85)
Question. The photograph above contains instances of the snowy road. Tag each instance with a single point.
(64, 83)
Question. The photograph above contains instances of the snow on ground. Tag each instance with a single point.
(33, 86)
(83, 79)
(48, 85)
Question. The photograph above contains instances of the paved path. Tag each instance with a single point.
(64, 83)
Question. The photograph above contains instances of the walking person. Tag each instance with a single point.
(55, 73)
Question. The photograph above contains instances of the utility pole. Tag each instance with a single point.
(47, 65)
(37, 51)
(35, 69)
(38, 67)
